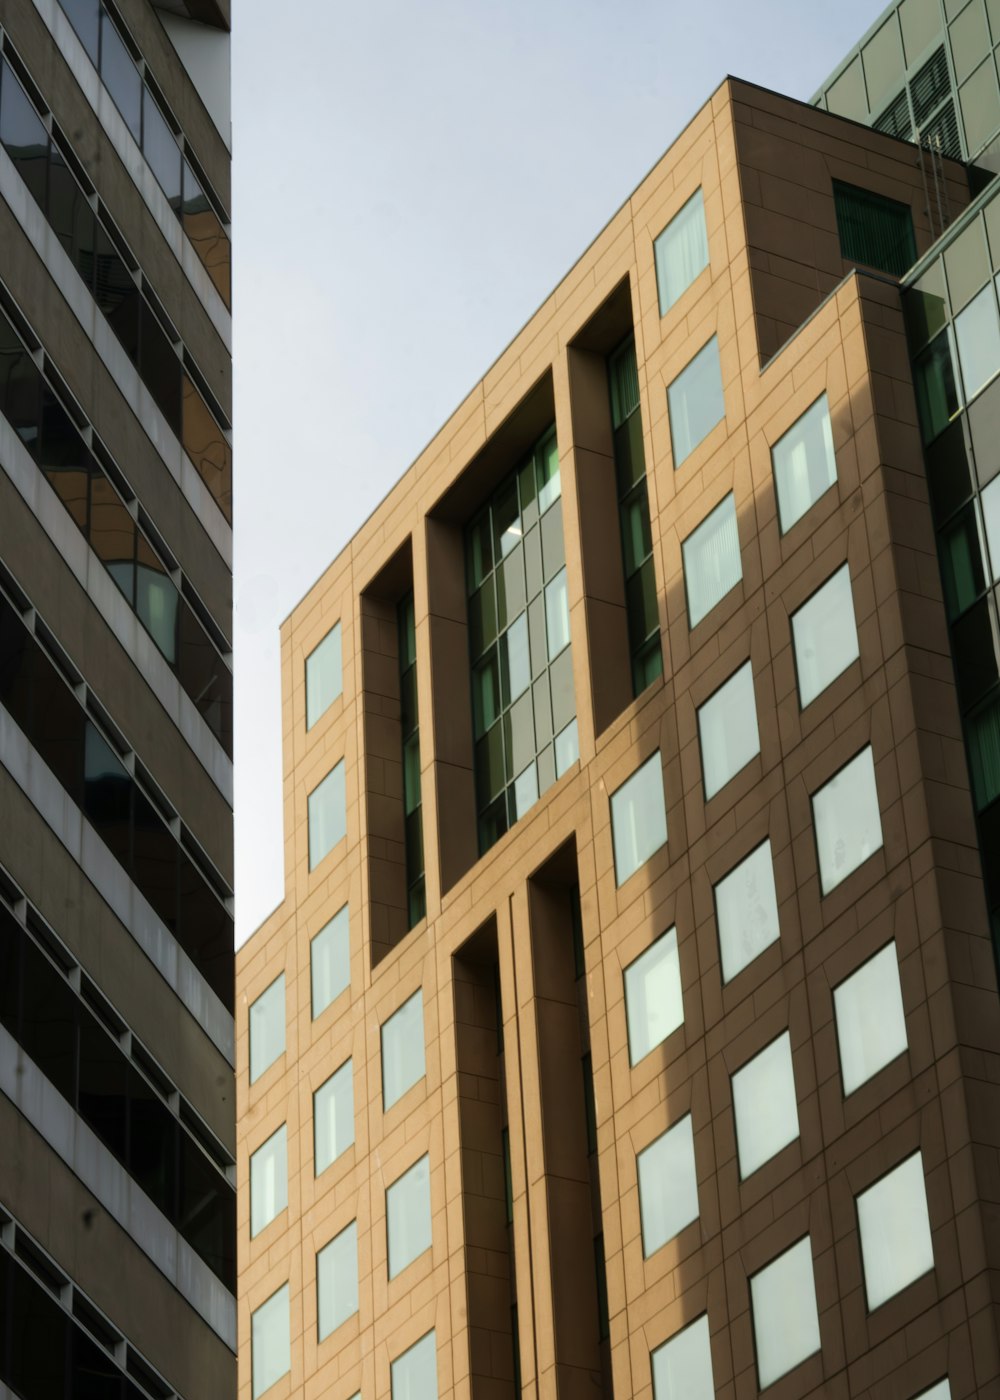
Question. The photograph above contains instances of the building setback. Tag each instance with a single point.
(117, 1170)
(630, 1022)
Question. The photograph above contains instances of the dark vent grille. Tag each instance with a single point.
(895, 120)
(941, 134)
(930, 86)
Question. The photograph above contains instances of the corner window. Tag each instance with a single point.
(330, 962)
(874, 230)
(785, 1315)
(695, 401)
(324, 676)
(268, 1181)
(895, 1231)
(333, 1117)
(267, 1028)
(712, 564)
(727, 729)
(408, 1216)
(270, 1342)
(871, 1023)
(653, 1003)
(413, 1376)
(638, 818)
(337, 1280)
(746, 911)
(403, 1050)
(668, 1186)
(682, 1367)
(825, 636)
(804, 464)
(847, 820)
(327, 811)
(681, 252)
(765, 1106)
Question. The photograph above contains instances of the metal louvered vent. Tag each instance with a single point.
(895, 120)
(941, 134)
(930, 85)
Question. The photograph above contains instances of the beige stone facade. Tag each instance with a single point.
(793, 321)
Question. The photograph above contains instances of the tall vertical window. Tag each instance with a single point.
(403, 1049)
(413, 1376)
(330, 961)
(847, 820)
(523, 702)
(416, 902)
(327, 813)
(682, 1367)
(408, 1216)
(825, 636)
(804, 463)
(638, 818)
(324, 676)
(874, 230)
(681, 252)
(633, 507)
(727, 728)
(333, 1117)
(712, 564)
(268, 1181)
(270, 1342)
(267, 1028)
(337, 1280)
(695, 401)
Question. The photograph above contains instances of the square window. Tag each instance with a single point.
(638, 818)
(785, 1315)
(403, 1050)
(727, 728)
(267, 1028)
(681, 252)
(408, 1216)
(764, 1105)
(327, 809)
(746, 911)
(333, 1117)
(695, 401)
(324, 676)
(825, 636)
(668, 1186)
(337, 1280)
(682, 1367)
(653, 1004)
(871, 1025)
(413, 1376)
(268, 1181)
(330, 962)
(804, 463)
(895, 1231)
(846, 816)
(270, 1342)
(712, 564)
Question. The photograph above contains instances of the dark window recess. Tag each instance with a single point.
(57, 447)
(42, 705)
(873, 230)
(416, 895)
(84, 1062)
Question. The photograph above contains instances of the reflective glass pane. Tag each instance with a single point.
(727, 729)
(413, 1376)
(871, 1025)
(825, 636)
(567, 748)
(20, 387)
(486, 692)
(160, 148)
(785, 1316)
(682, 1367)
(557, 614)
(991, 517)
(668, 1186)
(848, 825)
(638, 818)
(333, 1117)
(765, 1106)
(206, 234)
(553, 544)
(268, 1180)
(491, 772)
(983, 739)
(84, 16)
(507, 529)
(330, 962)
(121, 77)
(512, 597)
(107, 795)
(934, 381)
(155, 855)
(637, 535)
(514, 646)
(113, 535)
(270, 1342)
(337, 1280)
(207, 446)
(977, 333)
(712, 564)
(549, 486)
(532, 550)
(654, 1007)
(962, 567)
(525, 790)
(324, 675)
(156, 599)
(403, 1050)
(23, 135)
(327, 809)
(408, 1216)
(267, 1028)
(746, 909)
(804, 463)
(895, 1231)
(695, 401)
(478, 550)
(483, 617)
(681, 252)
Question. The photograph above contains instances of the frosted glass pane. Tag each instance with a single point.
(871, 1026)
(977, 331)
(414, 1374)
(825, 636)
(408, 1216)
(267, 1028)
(668, 1186)
(638, 818)
(785, 1316)
(695, 401)
(330, 962)
(848, 825)
(681, 252)
(682, 1367)
(764, 1104)
(268, 1180)
(324, 676)
(403, 1049)
(653, 1003)
(337, 1280)
(270, 1343)
(804, 463)
(746, 909)
(333, 1116)
(895, 1231)
(327, 815)
(727, 727)
(712, 564)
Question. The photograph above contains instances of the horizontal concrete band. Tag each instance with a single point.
(111, 882)
(104, 1176)
(96, 582)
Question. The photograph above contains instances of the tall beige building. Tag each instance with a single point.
(630, 1023)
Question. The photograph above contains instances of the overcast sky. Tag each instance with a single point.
(410, 182)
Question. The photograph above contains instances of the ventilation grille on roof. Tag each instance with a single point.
(930, 85)
(895, 120)
(941, 134)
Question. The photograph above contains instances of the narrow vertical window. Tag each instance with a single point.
(681, 252)
(416, 900)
